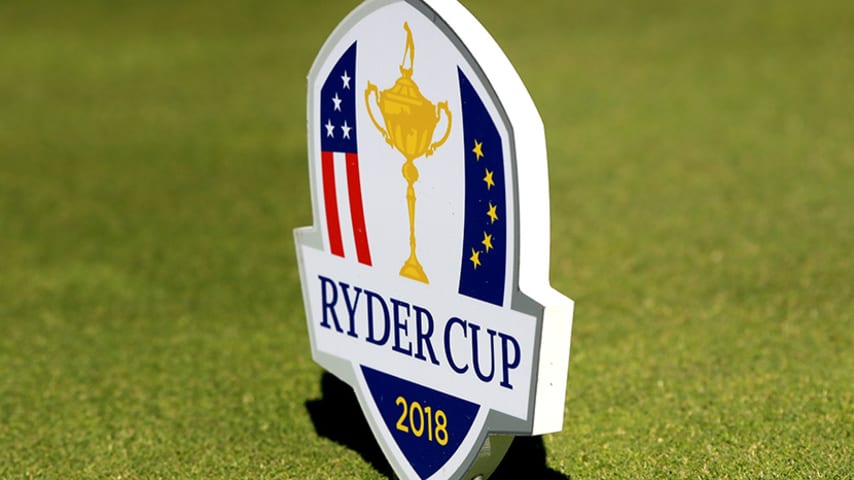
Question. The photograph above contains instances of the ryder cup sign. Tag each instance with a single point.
(425, 274)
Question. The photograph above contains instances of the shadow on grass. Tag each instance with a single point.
(338, 417)
(526, 458)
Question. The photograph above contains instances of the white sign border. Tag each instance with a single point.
(533, 293)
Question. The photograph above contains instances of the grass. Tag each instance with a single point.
(153, 165)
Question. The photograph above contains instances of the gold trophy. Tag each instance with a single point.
(410, 120)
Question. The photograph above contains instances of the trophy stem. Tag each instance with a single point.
(412, 267)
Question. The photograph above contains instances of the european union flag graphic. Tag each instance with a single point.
(342, 186)
(484, 256)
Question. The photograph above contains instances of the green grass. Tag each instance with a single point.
(153, 165)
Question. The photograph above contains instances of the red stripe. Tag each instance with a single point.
(330, 199)
(357, 212)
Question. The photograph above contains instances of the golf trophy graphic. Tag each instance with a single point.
(410, 121)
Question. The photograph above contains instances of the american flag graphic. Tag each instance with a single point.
(342, 186)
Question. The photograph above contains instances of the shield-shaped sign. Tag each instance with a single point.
(425, 274)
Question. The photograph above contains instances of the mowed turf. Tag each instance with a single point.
(153, 166)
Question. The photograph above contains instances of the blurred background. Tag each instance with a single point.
(153, 166)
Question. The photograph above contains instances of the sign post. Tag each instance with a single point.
(454, 343)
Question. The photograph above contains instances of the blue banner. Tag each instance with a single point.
(427, 425)
(484, 256)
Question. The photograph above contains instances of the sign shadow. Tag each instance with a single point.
(338, 417)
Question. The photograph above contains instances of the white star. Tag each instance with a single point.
(346, 80)
(346, 129)
(337, 102)
(330, 129)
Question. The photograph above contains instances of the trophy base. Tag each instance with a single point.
(412, 269)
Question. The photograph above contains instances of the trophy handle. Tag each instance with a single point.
(373, 88)
(443, 106)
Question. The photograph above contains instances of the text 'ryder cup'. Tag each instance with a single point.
(382, 320)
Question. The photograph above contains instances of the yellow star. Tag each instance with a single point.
(487, 242)
(488, 179)
(493, 215)
(475, 258)
(478, 149)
